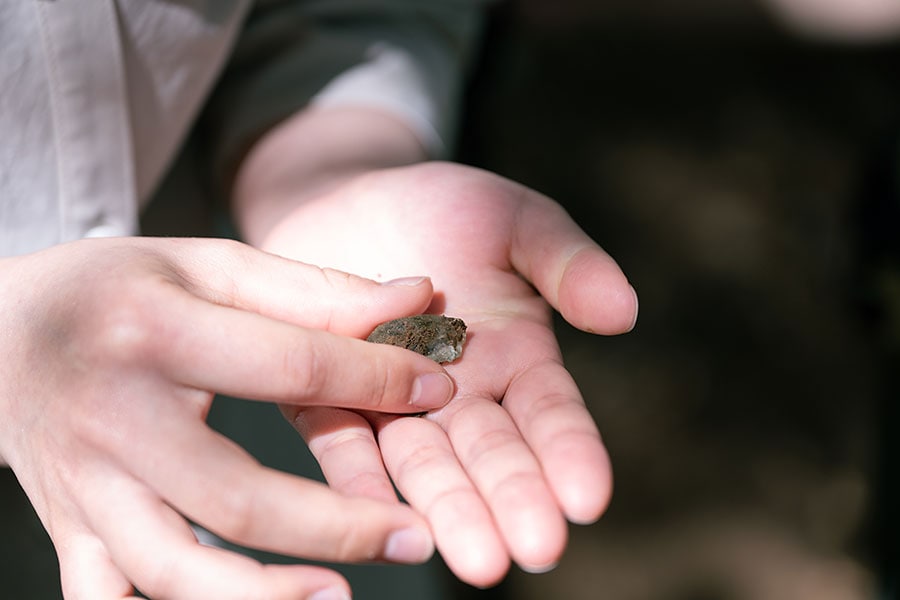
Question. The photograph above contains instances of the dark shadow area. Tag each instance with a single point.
(730, 169)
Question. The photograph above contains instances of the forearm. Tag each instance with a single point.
(311, 153)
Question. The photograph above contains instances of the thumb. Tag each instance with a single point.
(575, 275)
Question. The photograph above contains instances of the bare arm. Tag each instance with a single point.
(312, 153)
(500, 255)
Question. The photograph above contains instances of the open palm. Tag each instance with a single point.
(499, 470)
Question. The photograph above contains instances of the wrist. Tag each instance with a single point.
(310, 154)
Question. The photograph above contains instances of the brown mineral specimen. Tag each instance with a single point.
(438, 337)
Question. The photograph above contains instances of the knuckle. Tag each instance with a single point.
(339, 297)
(126, 336)
(233, 515)
(341, 441)
(159, 575)
(379, 384)
(127, 331)
(368, 484)
(356, 543)
(305, 368)
(490, 445)
(419, 465)
(338, 280)
(513, 483)
(379, 378)
(458, 500)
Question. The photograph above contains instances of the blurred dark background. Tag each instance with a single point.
(746, 180)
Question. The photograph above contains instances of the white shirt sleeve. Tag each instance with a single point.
(406, 57)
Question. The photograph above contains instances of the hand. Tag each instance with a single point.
(499, 470)
(111, 351)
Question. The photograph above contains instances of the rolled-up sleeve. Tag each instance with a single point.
(405, 57)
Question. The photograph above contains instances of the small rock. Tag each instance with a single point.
(438, 337)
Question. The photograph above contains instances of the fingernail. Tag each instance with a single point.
(431, 390)
(634, 321)
(405, 281)
(332, 593)
(412, 545)
(538, 569)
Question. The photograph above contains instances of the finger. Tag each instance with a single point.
(158, 552)
(344, 445)
(86, 570)
(239, 276)
(218, 485)
(549, 412)
(509, 479)
(247, 355)
(422, 463)
(571, 272)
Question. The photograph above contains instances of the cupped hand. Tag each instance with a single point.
(112, 350)
(499, 470)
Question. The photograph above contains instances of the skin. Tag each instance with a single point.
(112, 350)
(499, 470)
